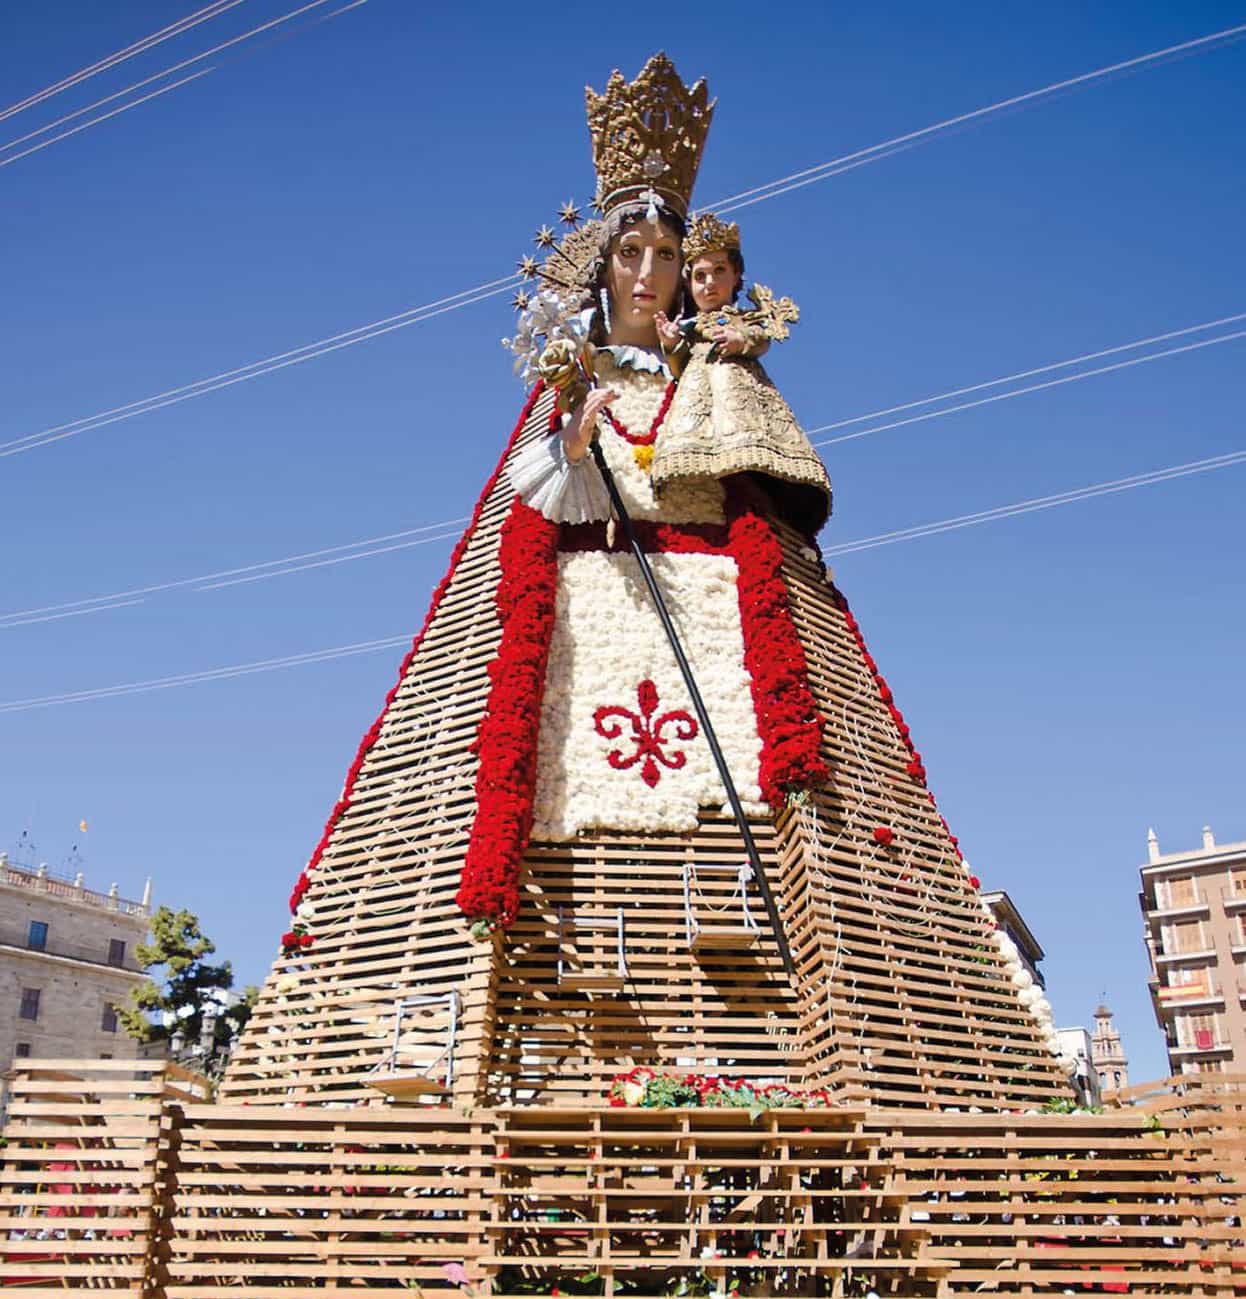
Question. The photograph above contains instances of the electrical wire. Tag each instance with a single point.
(1028, 388)
(120, 56)
(212, 674)
(865, 543)
(232, 576)
(467, 297)
(369, 546)
(820, 171)
(156, 76)
(1039, 503)
(227, 378)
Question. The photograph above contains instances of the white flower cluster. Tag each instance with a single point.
(606, 640)
(547, 317)
(1031, 996)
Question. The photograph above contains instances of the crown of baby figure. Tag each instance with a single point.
(707, 234)
(648, 137)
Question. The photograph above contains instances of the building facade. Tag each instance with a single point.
(67, 959)
(1194, 904)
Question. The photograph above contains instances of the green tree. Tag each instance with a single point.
(182, 985)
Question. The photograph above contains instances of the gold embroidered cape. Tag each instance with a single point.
(727, 417)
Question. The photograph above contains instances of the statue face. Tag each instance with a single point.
(713, 280)
(643, 279)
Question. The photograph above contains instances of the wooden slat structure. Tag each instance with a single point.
(164, 1196)
(80, 1181)
(901, 998)
(412, 1109)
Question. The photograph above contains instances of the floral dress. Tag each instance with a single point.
(619, 743)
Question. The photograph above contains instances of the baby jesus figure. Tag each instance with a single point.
(726, 415)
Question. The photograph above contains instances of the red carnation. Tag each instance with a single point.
(975, 882)
(884, 835)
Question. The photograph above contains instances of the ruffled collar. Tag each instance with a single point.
(629, 356)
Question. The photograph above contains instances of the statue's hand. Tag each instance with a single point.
(579, 431)
(668, 330)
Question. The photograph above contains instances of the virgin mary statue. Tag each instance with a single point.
(603, 735)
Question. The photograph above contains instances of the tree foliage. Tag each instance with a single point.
(182, 984)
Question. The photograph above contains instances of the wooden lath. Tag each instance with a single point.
(901, 999)
(162, 1195)
(80, 1188)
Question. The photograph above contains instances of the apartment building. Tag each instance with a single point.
(1194, 904)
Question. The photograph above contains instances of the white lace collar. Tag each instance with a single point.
(629, 356)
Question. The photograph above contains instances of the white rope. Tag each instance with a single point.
(120, 56)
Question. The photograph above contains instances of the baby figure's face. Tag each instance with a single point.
(713, 280)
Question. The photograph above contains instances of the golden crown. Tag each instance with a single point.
(707, 234)
(648, 137)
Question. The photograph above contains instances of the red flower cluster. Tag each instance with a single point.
(674, 1089)
(294, 940)
(884, 835)
(506, 741)
(303, 883)
(915, 767)
(787, 716)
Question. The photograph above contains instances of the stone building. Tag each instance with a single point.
(1194, 904)
(67, 958)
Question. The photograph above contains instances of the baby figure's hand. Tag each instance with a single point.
(729, 339)
(668, 330)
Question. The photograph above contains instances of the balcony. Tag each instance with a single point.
(1198, 907)
(1173, 958)
(1186, 1050)
(1177, 996)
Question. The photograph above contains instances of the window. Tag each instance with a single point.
(1181, 893)
(1117, 1078)
(116, 951)
(37, 935)
(109, 1021)
(1186, 937)
(21, 1051)
(30, 1004)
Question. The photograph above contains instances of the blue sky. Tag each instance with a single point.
(1071, 676)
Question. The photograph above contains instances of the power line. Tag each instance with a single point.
(120, 56)
(227, 378)
(367, 547)
(467, 297)
(834, 166)
(156, 76)
(1028, 388)
(1029, 374)
(851, 547)
(1039, 503)
(232, 576)
(212, 674)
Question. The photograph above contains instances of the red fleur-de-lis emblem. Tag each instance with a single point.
(647, 735)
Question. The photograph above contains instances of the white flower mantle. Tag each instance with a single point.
(606, 641)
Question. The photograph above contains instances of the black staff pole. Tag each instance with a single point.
(707, 728)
